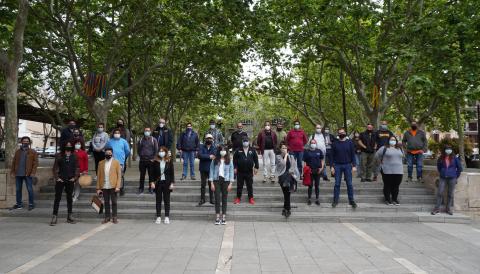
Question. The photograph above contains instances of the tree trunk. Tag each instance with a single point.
(461, 135)
(11, 117)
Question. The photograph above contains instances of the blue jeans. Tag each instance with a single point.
(345, 169)
(28, 183)
(188, 158)
(358, 163)
(416, 159)
(298, 155)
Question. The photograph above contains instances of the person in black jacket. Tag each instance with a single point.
(368, 145)
(164, 179)
(65, 173)
(245, 161)
(66, 134)
(237, 137)
(163, 135)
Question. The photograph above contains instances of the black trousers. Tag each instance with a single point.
(245, 178)
(286, 197)
(316, 181)
(221, 189)
(162, 192)
(59, 187)
(110, 195)
(204, 180)
(145, 166)
(98, 156)
(391, 184)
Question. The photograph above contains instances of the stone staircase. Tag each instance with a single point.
(416, 203)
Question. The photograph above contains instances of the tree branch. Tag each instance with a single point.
(18, 32)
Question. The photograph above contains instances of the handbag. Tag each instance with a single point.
(85, 180)
(97, 204)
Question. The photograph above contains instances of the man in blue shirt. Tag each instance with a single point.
(188, 145)
(121, 151)
(343, 156)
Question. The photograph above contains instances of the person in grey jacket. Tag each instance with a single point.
(286, 171)
(390, 157)
(99, 140)
(415, 142)
(218, 139)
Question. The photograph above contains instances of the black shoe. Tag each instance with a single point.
(140, 192)
(326, 178)
(217, 221)
(334, 204)
(362, 180)
(353, 204)
(309, 202)
(409, 180)
(31, 207)
(202, 201)
(435, 211)
(212, 202)
(388, 202)
(317, 202)
(284, 212)
(224, 222)
(396, 202)
(368, 180)
(70, 220)
(53, 222)
(16, 207)
(449, 212)
(419, 179)
(288, 213)
(374, 178)
(150, 191)
(183, 178)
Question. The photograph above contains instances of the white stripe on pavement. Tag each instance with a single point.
(224, 265)
(410, 266)
(50, 254)
(475, 229)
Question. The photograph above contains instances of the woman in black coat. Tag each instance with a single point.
(164, 179)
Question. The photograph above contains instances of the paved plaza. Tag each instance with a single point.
(29, 245)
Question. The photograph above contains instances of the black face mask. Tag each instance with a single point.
(119, 125)
(208, 142)
(108, 157)
(76, 134)
(342, 136)
(71, 126)
(414, 127)
(25, 145)
(279, 129)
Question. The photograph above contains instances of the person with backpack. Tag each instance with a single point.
(450, 168)
(313, 158)
(188, 145)
(390, 157)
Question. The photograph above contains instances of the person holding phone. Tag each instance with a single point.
(163, 183)
(221, 174)
(109, 181)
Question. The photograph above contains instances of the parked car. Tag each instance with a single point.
(50, 152)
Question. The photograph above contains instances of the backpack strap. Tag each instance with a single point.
(383, 154)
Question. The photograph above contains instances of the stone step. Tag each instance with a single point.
(272, 197)
(266, 207)
(325, 217)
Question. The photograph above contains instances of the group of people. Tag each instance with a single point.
(287, 158)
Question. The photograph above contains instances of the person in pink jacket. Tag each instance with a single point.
(296, 141)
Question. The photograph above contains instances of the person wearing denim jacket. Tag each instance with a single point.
(221, 174)
(449, 168)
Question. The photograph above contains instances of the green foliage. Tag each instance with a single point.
(438, 147)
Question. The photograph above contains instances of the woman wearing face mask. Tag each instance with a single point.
(450, 168)
(313, 158)
(390, 158)
(65, 172)
(163, 183)
(287, 172)
(99, 141)
(358, 151)
(82, 159)
(221, 174)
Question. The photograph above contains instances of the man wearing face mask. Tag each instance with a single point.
(99, 140)
(245, 161)
(296, 141)
(267, 142)
(67, 133)
(383, 136)
(147, 150)
(108, 184)
(206, 155)
(237, 137)
(343, 155)
(24, 167)
(368, 145)
(163, 135)
(281, 134)
(188, 145)
(329, 139)
(415, 142)
(121, 150)
(319, 139)
(216, 133)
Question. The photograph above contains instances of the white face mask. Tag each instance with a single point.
(223, 153)
(161, 125)
(392, 142)
(327, 131)
(147, 133)
(161, 154)
(448, 151)
(313, 146)
(267, 127)
(245, 144)
(78, 146)
(297, 126)
(100, 129)
(212, 126)
(116, 136)
(318, 130)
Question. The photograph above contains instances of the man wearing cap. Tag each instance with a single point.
(206, 155)
(216, 134)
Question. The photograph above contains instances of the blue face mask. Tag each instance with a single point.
(448, 151)
(245, 144)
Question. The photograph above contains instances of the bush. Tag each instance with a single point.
(437, 147)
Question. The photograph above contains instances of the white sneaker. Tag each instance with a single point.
(167, 221)
(158, 220)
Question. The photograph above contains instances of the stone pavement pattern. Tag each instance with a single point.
(140, 246)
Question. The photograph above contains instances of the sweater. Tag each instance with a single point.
(82, 158)
(296, 140)
(313, 159)
(121, 149)
(99, 141)
(343, 152)
(392, 162)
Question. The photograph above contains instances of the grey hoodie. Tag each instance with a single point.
(417, 142)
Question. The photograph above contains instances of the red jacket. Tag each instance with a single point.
(82, 158)
(261, 140)
(296, 140)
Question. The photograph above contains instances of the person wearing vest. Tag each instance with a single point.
(416, 144)
(188, 145)
(390, 157)
(163, 183)
(109, 181)
(24, 167)
(147, 150)
(99, 141)
(449, 168)
(245, 161)
(206, 155)
(221, 174)
(368, 145)
(65, 173)
(267, 142)
(163, 135)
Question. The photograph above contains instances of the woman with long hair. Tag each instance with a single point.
(221, 174)
(450, 168)
(390, 158)
(287, 173)
(82, 158)
(163, 183)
